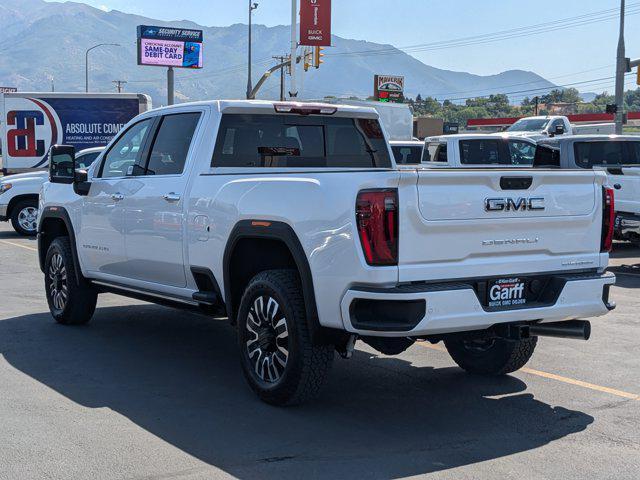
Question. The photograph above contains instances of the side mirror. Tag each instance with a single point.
(81, 183)
(62, 169)
(62, 161)
(559, 130)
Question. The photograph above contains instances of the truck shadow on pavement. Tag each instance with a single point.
(11, 235)
(177, 376)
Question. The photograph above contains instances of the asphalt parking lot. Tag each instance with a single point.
(150, 392)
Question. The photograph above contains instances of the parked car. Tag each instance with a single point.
(618, 156)
(407, 152)
(19, 194)
(478, 150)
(291, 220)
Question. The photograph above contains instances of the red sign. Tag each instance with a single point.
(315, 23)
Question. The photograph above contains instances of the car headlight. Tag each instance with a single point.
(4, 187)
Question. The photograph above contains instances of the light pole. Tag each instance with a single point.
(252, 7)
(86, 62)
(621, 69)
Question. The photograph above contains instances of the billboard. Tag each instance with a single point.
(388, 88)
(33, 122)
(169, 47)
(315, 23)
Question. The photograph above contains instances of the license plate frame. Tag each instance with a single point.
(507, 293)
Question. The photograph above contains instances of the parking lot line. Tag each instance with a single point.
(559, 378)
(18, 245)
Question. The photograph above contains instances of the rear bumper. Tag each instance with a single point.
(430, 309)
(627, 224)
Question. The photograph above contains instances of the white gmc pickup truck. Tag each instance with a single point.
(293, 221)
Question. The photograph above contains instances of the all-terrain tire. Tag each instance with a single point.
(495, 357)
(271, 297)
(23, 217)
(70, 303)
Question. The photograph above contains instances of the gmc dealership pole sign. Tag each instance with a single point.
(315, 23)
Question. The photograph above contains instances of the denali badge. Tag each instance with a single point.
(510, 241)
(513, 204)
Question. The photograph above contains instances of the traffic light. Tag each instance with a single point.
(317, 57)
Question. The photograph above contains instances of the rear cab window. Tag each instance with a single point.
(607, 153)
(283, 140)
(407, 154)
(481, 152)
(496, 152)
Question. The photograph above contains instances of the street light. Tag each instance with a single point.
(86, 62)
(252, 7)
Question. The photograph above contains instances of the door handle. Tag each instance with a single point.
(171, 197)
(116, 197)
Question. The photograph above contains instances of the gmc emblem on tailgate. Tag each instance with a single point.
(513, 204)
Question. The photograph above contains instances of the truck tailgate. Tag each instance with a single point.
(483, 223)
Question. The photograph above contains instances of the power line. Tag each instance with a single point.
(570, 22)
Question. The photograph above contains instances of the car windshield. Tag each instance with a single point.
(528, 125)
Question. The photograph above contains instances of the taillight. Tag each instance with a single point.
(377, 221)
(608, 219)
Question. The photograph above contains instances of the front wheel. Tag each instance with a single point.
(279, 360)
(24, 217)
(491, 356)
(70, 302)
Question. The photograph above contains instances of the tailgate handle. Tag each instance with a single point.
(515, 183)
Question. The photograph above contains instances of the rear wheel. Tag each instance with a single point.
(491, 356)
(70, 303)
(24, 217)
(278, 358)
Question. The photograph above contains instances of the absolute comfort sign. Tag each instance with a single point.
(169, 47)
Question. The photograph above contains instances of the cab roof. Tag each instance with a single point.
(268, 106)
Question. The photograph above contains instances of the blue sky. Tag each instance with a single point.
(584, 52)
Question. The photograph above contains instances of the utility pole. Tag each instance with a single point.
(621, 69)
(119, 84)
(537, 99)
(293, 90)
(170, 86)
(252, 7)
(282, 62)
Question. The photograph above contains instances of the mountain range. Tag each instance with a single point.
(43, 45)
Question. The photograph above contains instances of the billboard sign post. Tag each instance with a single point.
(315, 23)
(171, 48)
(388, 88)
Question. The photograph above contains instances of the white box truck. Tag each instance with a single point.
(33, 122)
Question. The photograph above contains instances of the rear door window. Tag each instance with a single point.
(171, 145)
(521, 153)
(407, 155)
(436, 152)
(264, 140)
(607, 153)
(482, 152)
